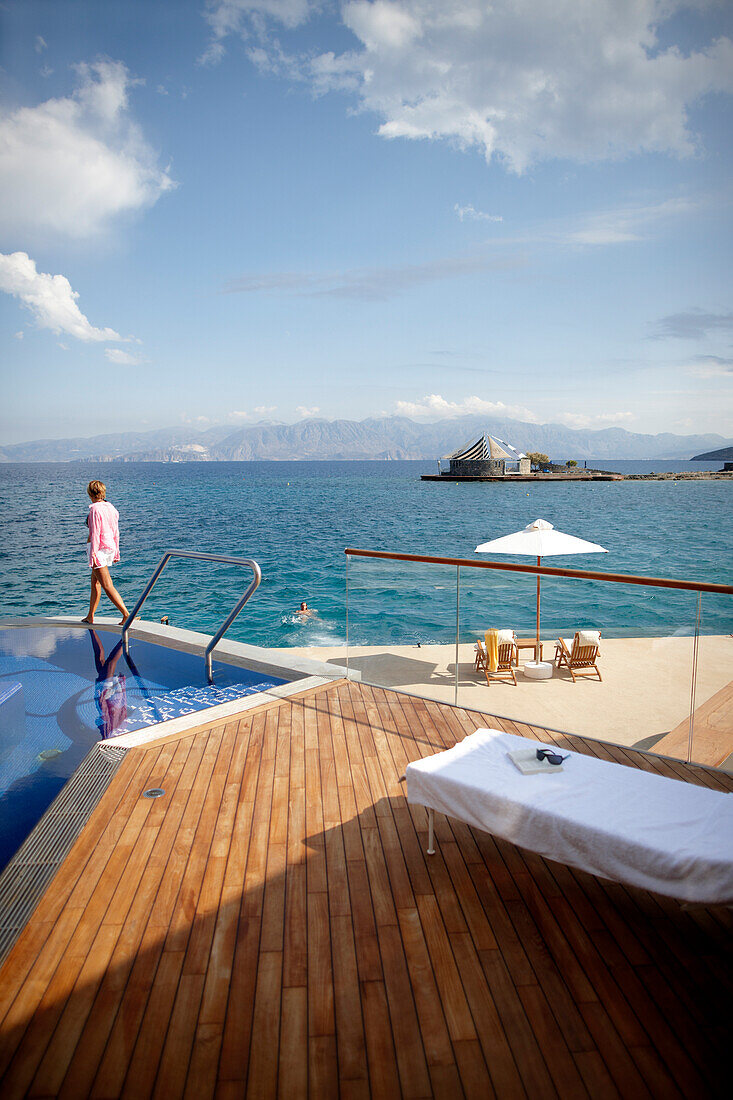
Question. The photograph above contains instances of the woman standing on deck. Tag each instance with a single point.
(103, 548)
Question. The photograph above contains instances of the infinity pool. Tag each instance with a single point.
(62, 689)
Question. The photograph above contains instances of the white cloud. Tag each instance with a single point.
(435, 407)
(629, 223)
(600, 420)
(304, 412)
(464, 212)
(519, 80)
(19, 335)
(711, 366)
(253, 414)
(49, 297)
(382, 24)
(36, 643)
(227, 17)
(41, 44)
(73, 165)
(123, 358)
(376, 284)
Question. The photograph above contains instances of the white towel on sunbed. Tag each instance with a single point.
(621, 823)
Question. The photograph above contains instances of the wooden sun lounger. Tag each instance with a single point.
(508, 658)
(580, 660)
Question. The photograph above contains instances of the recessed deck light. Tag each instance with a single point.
(154, 792)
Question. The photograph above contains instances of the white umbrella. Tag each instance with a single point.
(540, 539)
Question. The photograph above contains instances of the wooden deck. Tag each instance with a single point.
(272, 927)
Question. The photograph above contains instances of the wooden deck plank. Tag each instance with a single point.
(192, 927)
(273, 926)
(411, 1060)
(380, 1041)
(152, 977)
(522, 1039)
(292, 1081)
(105, 1017)
(347, 1002)
(263, 1062)
(231, 841)
(257, 783)
(452, 994)
(439, 1051)
(501, 1064)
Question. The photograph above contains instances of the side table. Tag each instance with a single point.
(530, 643)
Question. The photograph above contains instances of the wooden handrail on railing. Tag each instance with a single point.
(550, 571)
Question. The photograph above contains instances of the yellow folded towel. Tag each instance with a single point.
(492, 649)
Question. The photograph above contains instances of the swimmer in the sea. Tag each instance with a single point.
(304, 611)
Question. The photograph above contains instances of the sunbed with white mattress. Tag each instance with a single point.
(621, 823)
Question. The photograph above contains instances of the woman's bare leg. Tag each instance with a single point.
(111, 592)
(94, 596)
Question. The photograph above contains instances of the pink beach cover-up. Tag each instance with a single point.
(104, 534)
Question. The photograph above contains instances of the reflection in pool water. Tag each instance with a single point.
(110, 689)
(62, 689)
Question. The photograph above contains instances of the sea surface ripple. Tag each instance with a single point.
(296, 518)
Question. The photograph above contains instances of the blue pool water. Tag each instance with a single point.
(63, 689)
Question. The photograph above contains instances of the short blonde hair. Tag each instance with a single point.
(97, 490)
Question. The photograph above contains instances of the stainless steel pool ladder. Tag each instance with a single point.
(191, 554)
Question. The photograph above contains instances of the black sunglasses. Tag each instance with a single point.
(550, 756)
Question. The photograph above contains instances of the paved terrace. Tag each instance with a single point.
(273, 927)
(644, 696)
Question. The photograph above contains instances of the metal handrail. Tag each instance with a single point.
(222, 559)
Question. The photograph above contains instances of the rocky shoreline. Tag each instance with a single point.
(588, 475)
(687, 475)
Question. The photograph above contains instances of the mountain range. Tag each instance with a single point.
(392, 437)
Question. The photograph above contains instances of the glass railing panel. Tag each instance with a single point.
(491, 599)
(663, 658)
(402, 624)
(636, 691)
(712, 696)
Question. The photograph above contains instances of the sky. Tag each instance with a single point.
(227, 211)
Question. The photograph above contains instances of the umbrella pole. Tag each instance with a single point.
(537, 647)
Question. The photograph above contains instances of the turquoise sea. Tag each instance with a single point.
(296, 518)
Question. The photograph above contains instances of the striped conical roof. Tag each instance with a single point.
(484, 448)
